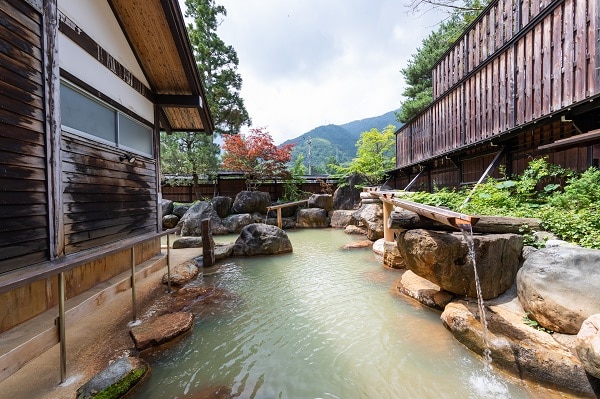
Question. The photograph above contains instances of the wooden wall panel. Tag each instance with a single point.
(24, 236)
(105, 199)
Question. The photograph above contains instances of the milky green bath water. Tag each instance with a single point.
(321, 322)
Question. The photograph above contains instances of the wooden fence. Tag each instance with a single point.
(230, 187)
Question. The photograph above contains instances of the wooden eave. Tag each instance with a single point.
(156, 33)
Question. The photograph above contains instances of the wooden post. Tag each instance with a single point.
(168, 263)
(388, 234)
(208, 245)
(61, 327)
(279, 220)
(133, 299)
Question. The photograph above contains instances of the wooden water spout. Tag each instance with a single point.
(450, 218)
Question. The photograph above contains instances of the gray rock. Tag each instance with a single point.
(180, 210)
(251, 201)
(262, 239)
(223, 251)
(424, 291)
(170, 221)
(191, 222)
(519, 349)
(161, 329)
(222, 205)
(560, 287)
(342, 218)
(286, 223)
(167, 206)
(347, 196)
(371, 217)
(352, 229)
(323, 201)
(120, 376)
(187, 242)
(443, 259)
(182, 274)
(235, 223)
(312, 218)
(587, 345)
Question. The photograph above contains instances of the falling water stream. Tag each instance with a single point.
(321, 322)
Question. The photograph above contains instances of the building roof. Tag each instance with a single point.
(156, 32)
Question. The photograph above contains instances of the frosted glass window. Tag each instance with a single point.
(85, 115)
(134, 135)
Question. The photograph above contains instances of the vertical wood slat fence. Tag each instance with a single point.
(520, 62)
(230, 187)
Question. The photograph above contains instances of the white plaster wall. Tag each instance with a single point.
(96, 19)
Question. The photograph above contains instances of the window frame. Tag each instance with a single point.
(117, 128)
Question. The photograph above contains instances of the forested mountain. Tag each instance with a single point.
(336, 143)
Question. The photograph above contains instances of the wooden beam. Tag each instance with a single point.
(53, 129)
(574, 140)
(179, 101)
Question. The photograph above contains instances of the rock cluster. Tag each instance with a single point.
(528, 295)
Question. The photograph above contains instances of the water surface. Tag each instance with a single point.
(321, 322)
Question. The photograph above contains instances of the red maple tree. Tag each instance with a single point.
(256, 156)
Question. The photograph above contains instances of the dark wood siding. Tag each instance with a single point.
(23, 166)
(522, 62)
(105, 199)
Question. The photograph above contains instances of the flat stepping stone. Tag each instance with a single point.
(161, 329)
(115, 380)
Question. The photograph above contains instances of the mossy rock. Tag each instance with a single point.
(114, 381)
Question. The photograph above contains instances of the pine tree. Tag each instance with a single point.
(217, 63)
(417, 74)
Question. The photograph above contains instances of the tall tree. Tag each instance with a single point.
(417, 74)
(217, 63)
(256, 156)
(188, 153)
(374, 155)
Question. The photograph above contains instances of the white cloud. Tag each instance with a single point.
(306, 63)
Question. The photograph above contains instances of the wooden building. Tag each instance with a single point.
(522, 82)
(86, 86)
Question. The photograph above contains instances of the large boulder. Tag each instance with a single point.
(587, 345)
(261, 239)
(341, 218)
(235, 223)
(166, 206)
(222, 205)
(516, 347)
(161, 329)
(312, 217)
(560, 287)
(371, 217)
(250, 202)
(443, 258)
(347, 196)
(115, 380)
(323, 201)
(180, 210)
(191, 222)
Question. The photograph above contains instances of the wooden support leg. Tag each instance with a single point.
(61, 327)
(279, 221)
(388, 234)
(133, 296)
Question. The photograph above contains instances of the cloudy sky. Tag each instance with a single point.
(307, 63)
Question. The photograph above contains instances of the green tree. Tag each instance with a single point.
(189, 153)
(417, 74)
(374, 155)
(217, 63)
